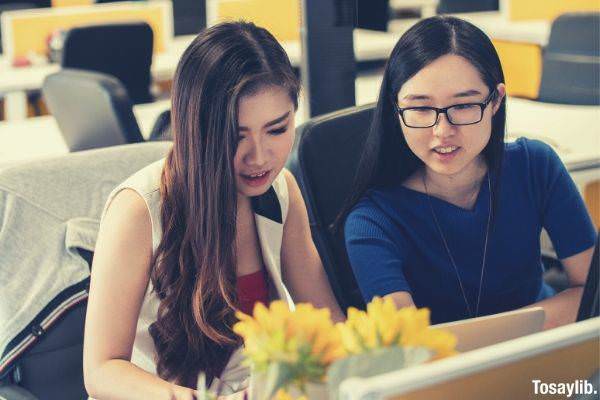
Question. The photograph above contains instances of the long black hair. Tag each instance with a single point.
(387, 160)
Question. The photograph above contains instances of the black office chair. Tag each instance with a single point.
(324, 162)
(122, 50)
(44, 360)
(462, 6)
(91, 109)
(571, 61)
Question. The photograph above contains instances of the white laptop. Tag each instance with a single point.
(491, 329)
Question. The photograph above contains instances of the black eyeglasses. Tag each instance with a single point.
(458, 114)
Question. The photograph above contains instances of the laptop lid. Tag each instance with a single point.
(589, 306)
(484, 331)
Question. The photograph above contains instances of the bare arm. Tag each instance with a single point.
(303, 271)
(562, 308)
(120, 276)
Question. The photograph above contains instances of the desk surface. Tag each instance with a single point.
(495, 25)
(40, 137)
(574, 131)
(368, 46)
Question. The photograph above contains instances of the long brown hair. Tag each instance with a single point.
(194, 266)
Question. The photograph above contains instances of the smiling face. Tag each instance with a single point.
(448, 149)
(266, 135)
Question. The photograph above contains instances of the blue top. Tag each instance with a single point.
(394, 245)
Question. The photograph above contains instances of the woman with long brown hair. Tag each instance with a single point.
(215, 227)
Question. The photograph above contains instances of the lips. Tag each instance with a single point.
(445, 149)
(446, 153)
(257, 178)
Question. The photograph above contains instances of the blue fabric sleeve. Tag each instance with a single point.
(376, 259)
(562, 210)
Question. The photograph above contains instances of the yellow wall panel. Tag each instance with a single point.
(522, 65)
(548, 9)
(280, 17)
(71, 3)
(591, 194)
(30, 29)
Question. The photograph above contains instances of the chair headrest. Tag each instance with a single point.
(92, 109)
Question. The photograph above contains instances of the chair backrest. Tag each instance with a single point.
(457, 6)
(571, 61)
(324, 162)
(92, 109)
(123, 50)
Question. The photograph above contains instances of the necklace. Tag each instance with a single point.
(487, 231)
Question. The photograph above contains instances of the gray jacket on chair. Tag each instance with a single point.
(48, 210)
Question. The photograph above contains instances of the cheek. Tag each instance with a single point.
(282, 146)
(239, 156)
(479, 135)
(417, 142)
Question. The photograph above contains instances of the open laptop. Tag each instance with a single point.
(590, 307)
(491, 329)
(484, 331)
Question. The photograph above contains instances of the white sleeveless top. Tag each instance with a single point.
(270, 211)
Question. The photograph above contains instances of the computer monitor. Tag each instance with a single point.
(590, 306)
(521, 368)
(189, 16)
(372, 14)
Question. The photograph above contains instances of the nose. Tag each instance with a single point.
(257, 155)
(443, 127)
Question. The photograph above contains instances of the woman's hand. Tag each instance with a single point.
(243, 395)
(182, 393)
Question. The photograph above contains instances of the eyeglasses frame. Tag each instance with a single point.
(444, 110)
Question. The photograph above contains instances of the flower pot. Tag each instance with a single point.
(313, 391)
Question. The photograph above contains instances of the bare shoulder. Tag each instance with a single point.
(127, 211)
(125, 230)
(295, 195)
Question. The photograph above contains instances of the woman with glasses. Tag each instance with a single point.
(446, 215)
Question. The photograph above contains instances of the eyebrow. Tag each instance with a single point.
(466, 93)
(268, 124)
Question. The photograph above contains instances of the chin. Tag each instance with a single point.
(446, 169)
(250, 191)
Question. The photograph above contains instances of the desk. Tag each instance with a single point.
(574, 131)
(495, 24)
(368, 46)
(40, 136)
(519, 45)
(15, 81)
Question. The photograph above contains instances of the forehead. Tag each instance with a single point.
(444, 77)
(263, 106)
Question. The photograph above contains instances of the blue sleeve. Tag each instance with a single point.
(562, 210)
(375, 257)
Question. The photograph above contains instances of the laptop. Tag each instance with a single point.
(484, 331)
(491, 329)
(589, 307)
